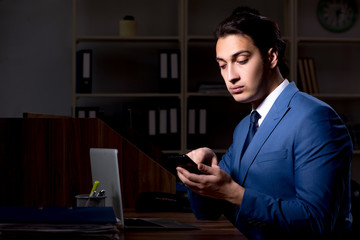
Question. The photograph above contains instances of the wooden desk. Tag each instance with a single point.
(217, 229)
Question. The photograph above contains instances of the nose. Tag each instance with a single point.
(233, 75)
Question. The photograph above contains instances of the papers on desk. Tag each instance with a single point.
(58, 231)
(58, 222)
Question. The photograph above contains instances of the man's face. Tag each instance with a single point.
(242, 68)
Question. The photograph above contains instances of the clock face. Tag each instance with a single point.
(337, 15)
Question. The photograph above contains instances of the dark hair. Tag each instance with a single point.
(264, 32)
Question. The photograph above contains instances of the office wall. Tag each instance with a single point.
(35, 57)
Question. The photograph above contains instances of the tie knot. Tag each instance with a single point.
(254, 117)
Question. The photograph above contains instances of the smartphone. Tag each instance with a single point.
(183, 161)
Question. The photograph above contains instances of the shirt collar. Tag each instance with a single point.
(265, 106)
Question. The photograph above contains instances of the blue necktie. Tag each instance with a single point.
(254, 118)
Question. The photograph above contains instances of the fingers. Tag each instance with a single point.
(214, 160)
(206, 169)
(193, 179)
(189, 179)
(203, 155)
(201, 184)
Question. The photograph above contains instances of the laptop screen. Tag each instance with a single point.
(105, 169)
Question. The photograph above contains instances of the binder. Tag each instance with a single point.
(163, 128)
(174, 65)
(163, 65)
(302, 77)
(173, 121)
(84, 71)
(191, 121)
(87, 112)
(314, 82)
(169, 71)
(307, 75)
(163, 121)
(172, 140)
(152, 122)
(202, 121)
(197, 127)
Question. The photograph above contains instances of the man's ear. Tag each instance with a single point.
(273, 58)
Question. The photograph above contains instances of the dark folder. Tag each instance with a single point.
(57, 215)
(84, 71)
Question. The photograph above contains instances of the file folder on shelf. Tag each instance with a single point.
(169, 71)
(84, 71)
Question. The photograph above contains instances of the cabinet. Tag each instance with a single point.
(126, 69)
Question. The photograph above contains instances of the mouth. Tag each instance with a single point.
(236, 89)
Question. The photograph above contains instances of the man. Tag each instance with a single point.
(293, 178)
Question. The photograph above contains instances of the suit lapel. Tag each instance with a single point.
(241, 140)
(276, 113)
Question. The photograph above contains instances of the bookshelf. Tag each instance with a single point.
(126, 69)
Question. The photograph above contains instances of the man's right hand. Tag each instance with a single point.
(203, 155)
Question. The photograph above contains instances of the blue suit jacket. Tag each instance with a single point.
(296, 172)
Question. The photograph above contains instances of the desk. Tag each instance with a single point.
(216, 229)
(208, 230)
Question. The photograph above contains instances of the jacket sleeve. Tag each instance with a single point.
(205, 208)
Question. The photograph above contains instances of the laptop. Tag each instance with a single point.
(105, 169)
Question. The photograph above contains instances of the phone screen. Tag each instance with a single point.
(185, 162)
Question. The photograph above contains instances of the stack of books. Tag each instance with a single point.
(307, 75)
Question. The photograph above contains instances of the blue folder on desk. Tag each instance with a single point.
(57, 215)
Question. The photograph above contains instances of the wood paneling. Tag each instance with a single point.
(46, 162)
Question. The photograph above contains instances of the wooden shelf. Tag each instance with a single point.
(200, 38)
(126, 95)
(127, 39)
(357, 152)
(337, 96)
(328, 40)
(208, 94)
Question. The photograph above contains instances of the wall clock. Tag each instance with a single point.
(337, 15)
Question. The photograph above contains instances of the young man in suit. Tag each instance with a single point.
(293, 178)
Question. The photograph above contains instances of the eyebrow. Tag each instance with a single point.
(233, 56)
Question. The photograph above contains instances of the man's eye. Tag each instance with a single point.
(222, 66)
(243, 61)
